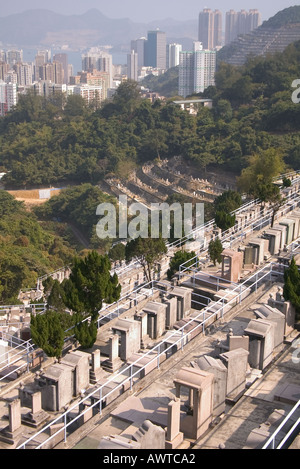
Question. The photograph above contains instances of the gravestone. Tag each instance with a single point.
(171, 312)
(184, 301)
(156, 313)
(150, 436)
(96, 371)
(283, 232)
(275, 316)
(274, 238)
(232, 264)
(200, 386)
(13, 431)
(56, 385)
(113, 363)
(37, 416)
(260, 246)
(219, 370)
(290, 227)
(79, 363)
(174, 437)
(236, 362)
(261, 342)
(142, 318)
(129, 332)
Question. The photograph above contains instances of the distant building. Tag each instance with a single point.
(132, 66)
(98, 59)
(63, 59)
(14, 56)
(241, 23)
(155, 50)
(8, 97)
(210, 28)
(196, 70)
(173, 52)
(138, 46)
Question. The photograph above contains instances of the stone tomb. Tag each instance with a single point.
(290, 228)
(283, 232)
(236, 362)
(219, 370)
(261, 345)
(232, 264)
(274, 238)
(273, 315)
(184, 301)
(129, 332)
(13, 431)
(260, 249)
(56, 386)
(156, 322)
(198, 417)
(79, 363)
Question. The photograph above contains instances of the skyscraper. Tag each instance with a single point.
(196, 70)
(132, 66)
(138, 46)
(173, 51)
(210, 28)
(240, 23)
(63, 59)
(155, 50)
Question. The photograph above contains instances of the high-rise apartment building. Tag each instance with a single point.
(8, 97)
(63, 59)
(138, 46)
(173, 51)
(156, 50)
(97, 59)
(132, 66)
(240, 23)
(14, 56)
(196, 70)
(210, 28)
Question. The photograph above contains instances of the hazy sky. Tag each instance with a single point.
(142, 10)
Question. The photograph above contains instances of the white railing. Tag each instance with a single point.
(180, 339)
(271, 442)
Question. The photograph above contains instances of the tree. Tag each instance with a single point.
(147, 251)
(228, 202)
(180, 257)
(117, 252)
(215, 250)
(56, 297)
(224, 220)
(48, 333)
(90, 284)
(86, 333)
(262, 169)
(291, 289)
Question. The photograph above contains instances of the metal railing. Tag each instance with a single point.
(160, 352)
(271, 442)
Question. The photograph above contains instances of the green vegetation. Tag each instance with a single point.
(166, 84)
(291, 289)
(77, 206)
(215, 250)
(148, 251)
(28, 249)
(179, 258)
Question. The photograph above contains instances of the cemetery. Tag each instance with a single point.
(174, 359)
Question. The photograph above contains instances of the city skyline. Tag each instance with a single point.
(138, 11)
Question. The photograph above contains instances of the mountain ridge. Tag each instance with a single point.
(43, 27)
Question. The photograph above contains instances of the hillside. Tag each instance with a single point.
(273, 36)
